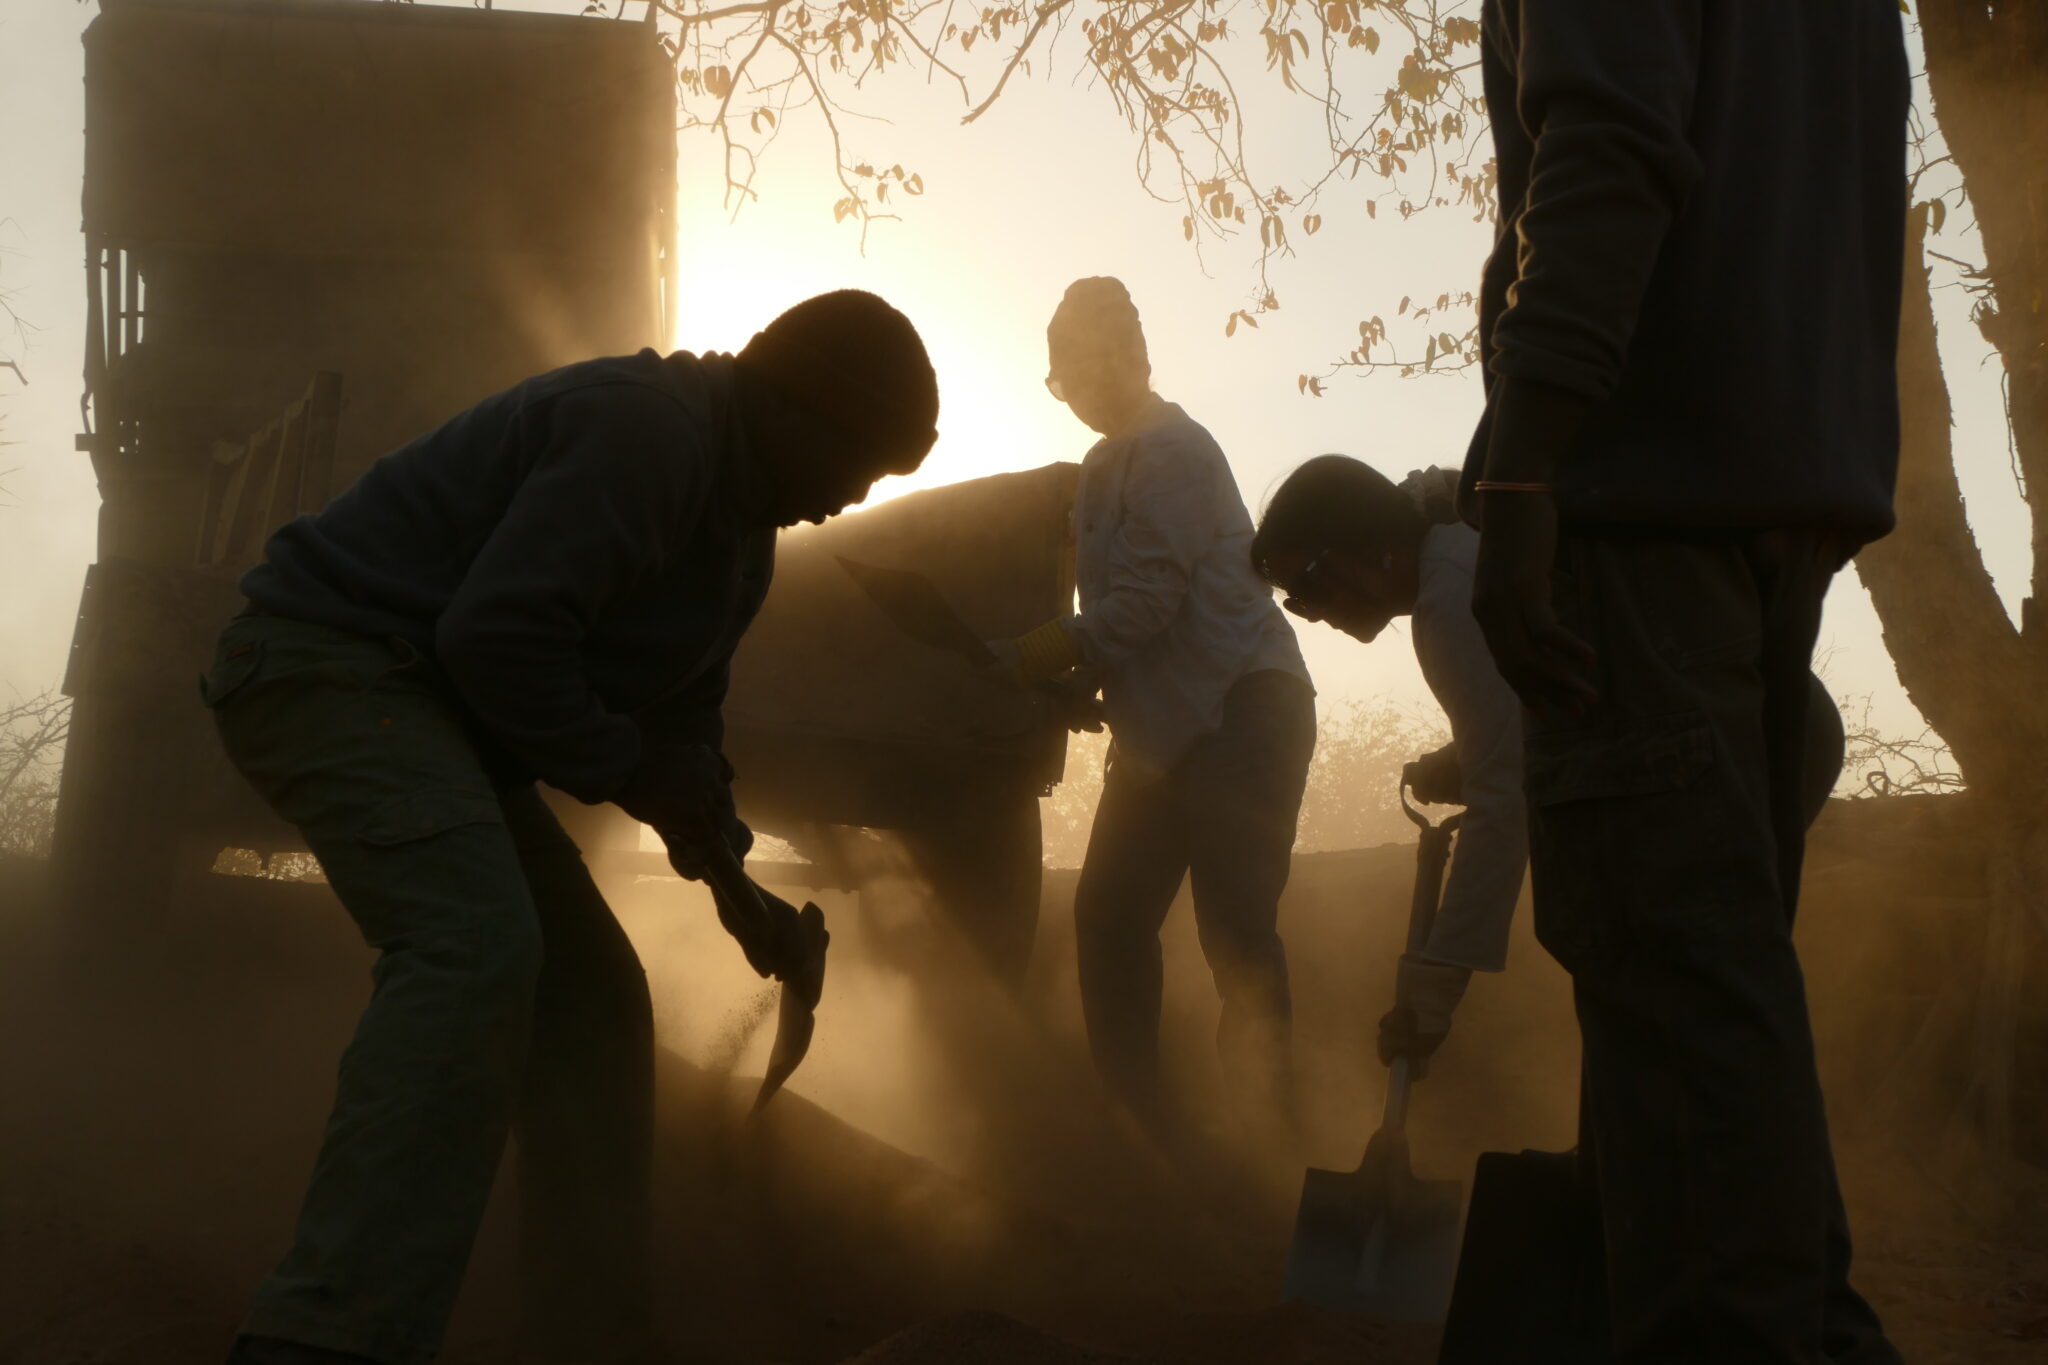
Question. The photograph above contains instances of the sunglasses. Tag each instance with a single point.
(1082, 373)
(1308, 585)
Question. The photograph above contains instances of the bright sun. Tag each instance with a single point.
(994, 412)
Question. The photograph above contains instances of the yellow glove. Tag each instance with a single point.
(1038, 654)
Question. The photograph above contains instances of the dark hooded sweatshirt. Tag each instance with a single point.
(579, 554)
(1703, 208)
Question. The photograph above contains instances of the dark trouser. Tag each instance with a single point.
(1224, 815)
(506, 996)
(983, 854)
(1667, 829)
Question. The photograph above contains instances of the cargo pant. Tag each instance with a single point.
(1224, 816)
(1667, 829)
(507, 999)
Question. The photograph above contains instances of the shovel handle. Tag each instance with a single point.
(1432, 855)
(739, 898)
(1394, 1117)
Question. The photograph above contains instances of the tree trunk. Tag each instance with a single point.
(1981, 682)
(1958, 656)
(1987, 68)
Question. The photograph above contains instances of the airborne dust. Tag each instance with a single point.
(944, 1152)
(943, 1183)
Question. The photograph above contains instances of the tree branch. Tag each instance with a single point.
(1023, 49)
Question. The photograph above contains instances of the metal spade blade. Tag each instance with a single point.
(1377, 1240)
(796, 1017)
(915, 606)
(781, 941)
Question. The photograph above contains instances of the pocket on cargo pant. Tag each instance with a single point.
(235, 663)
(423, 814)
(433, 865)
(1634, 844)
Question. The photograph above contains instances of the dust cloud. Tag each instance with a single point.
(944, 1172)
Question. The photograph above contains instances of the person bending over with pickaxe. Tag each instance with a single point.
(548, 587)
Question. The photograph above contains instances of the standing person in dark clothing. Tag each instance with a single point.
(550, 586)
(1209, 709)
(1674, 462)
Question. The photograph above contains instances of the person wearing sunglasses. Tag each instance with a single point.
(1353, 550)
(1208, 705)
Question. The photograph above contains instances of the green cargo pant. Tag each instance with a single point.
(506, 999)
(1667, 830)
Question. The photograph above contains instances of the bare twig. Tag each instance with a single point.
(33, 731)
(1023, 50)
(1174, 72)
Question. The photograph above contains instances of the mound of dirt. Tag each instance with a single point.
(984, 1339)
(167, 1097)
(1291, 1334)
(1298, 1334)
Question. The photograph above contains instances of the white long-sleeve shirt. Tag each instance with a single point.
(1171, 613)
(1485, 879)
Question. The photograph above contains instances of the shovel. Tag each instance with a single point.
(916, 607)
(779, 941)
(1377, 1240)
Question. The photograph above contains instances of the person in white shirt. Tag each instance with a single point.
(1210, 712)
(1354, 550)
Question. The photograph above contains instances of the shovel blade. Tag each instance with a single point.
(916, 607)
(1386, 1245)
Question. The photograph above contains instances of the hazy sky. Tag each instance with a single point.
(1037, 193)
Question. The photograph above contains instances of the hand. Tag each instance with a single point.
(1074, 704)
(687, 852)
(1426, 994)
(685, 789)
(1006, 661)
(774, 948)
(1402, 1034)
(1085, 716)
(1435, 777)
(685, 792)
(1549, 668)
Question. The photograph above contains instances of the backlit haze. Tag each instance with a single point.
(1038, 192)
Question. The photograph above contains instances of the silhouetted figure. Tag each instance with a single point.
(548, 587)
(1209, 707)
(1689, 327)
(1354, 550)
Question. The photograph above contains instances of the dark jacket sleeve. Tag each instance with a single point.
(617, 482)
(1604, 91)
(693, 715)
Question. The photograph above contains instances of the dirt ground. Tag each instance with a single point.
(942, 1184)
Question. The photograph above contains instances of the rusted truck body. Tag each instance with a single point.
(315, 229)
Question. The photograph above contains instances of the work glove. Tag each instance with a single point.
(687, 852)
(1073, 703)
(685, 792)
(1435, 777)
(1005, 661)
(1039, 654)
(1426, 994)
(777, 948)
